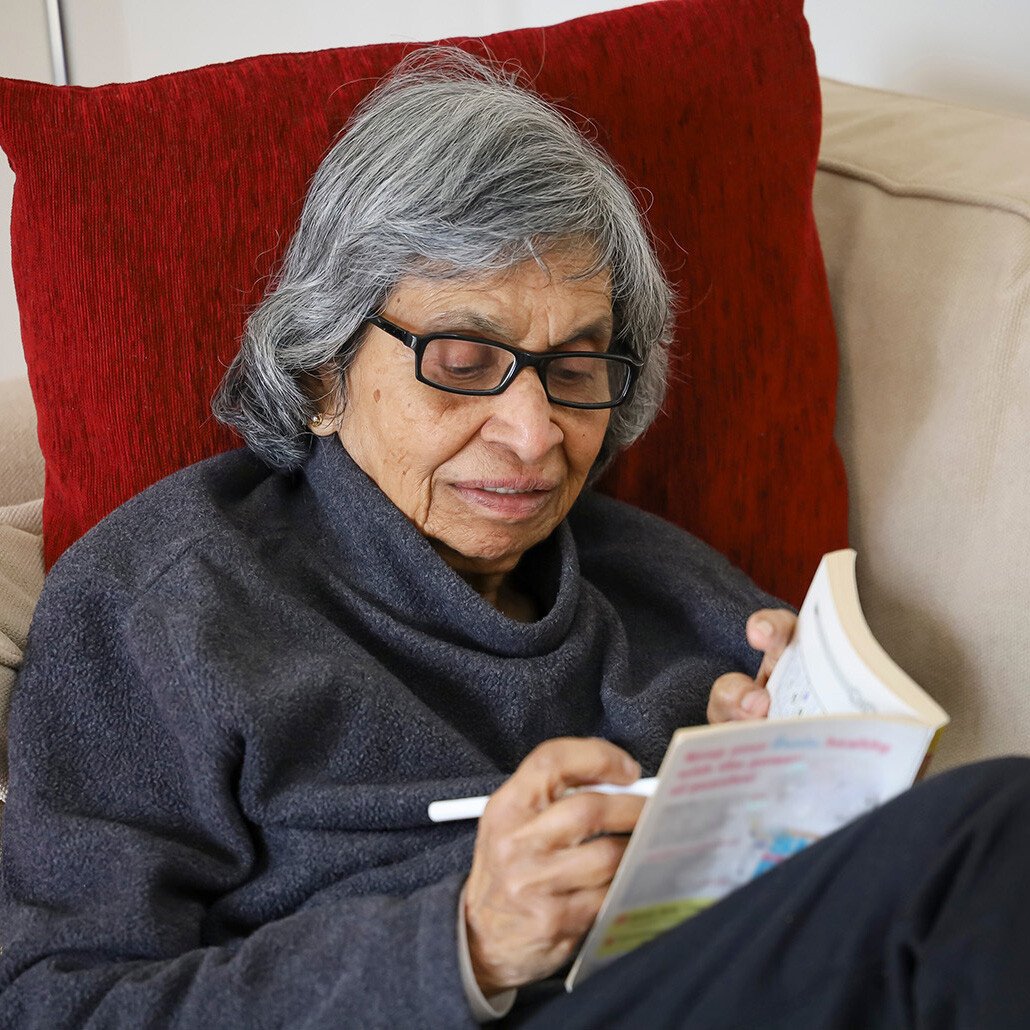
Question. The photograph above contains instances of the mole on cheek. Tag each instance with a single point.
(376, 395)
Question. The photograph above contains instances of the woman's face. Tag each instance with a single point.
(484, 478)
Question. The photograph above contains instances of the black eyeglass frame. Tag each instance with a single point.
(523, 359)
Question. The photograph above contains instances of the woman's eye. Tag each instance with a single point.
(570, 374)
(464, 363)
(464, 370)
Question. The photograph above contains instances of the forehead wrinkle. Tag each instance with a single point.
(462, 319)
(459, 320)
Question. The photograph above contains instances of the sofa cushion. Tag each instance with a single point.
(924, 212)
(148, 217)
(21, 580)
(21, 461)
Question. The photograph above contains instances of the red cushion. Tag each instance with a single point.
(148, 216)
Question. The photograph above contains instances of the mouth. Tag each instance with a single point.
(511, 499)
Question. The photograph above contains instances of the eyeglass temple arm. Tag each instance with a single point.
(408, 339)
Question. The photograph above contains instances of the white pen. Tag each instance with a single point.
(472, 808)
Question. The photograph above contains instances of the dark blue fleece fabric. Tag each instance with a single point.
(243, 688)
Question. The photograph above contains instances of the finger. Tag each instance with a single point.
(552, 768)
(770, 630)
(569, 918)
(588, 866)
(564, 923)
(755, 704)
(736, 696)
(579, 817)
(727, 691)
(581, 910)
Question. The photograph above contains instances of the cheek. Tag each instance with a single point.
(583, 439)
(402, 437)
(431, 429)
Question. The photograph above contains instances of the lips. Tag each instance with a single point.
(512, 498)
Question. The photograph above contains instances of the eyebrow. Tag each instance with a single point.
(460, 320)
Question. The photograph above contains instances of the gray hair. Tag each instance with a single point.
(449, 168)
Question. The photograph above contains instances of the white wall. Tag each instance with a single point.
(973, 53)
(111, 40)
(24, 54)
(120, 40)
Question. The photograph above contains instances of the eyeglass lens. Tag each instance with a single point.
(468, 365)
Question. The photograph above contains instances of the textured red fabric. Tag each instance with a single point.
(148, 216)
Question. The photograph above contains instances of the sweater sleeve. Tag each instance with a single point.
(121, 834)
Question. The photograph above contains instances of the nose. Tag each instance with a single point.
(521, 419)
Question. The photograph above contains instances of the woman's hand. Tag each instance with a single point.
(736, 696)
(543, 861)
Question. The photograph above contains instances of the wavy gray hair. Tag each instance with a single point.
(449, 168)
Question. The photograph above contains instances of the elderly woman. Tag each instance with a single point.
(245, 686)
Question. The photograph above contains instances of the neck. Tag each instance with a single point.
(495, 587)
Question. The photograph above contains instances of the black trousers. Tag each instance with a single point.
(915, 915)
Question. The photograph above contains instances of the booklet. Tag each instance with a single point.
(847, 731)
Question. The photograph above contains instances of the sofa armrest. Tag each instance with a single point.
(21, 462)
(21, 581)
(21, 539)
(924, 215)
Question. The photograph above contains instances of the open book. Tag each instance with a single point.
(847, 731)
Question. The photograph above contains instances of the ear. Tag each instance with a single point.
(325, 385)
(324, 425)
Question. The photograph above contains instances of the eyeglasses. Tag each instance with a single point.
(483, 368)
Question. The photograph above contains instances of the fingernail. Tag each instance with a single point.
(765, 627)
(749, 702)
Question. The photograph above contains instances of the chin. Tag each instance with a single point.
(493, 553)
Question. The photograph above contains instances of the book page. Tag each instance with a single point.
(735, 800)
(821, 672)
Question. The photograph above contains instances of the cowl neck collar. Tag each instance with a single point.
(397, 569)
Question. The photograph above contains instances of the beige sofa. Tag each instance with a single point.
(924, 214)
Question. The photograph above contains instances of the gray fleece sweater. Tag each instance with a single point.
(241, 691)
